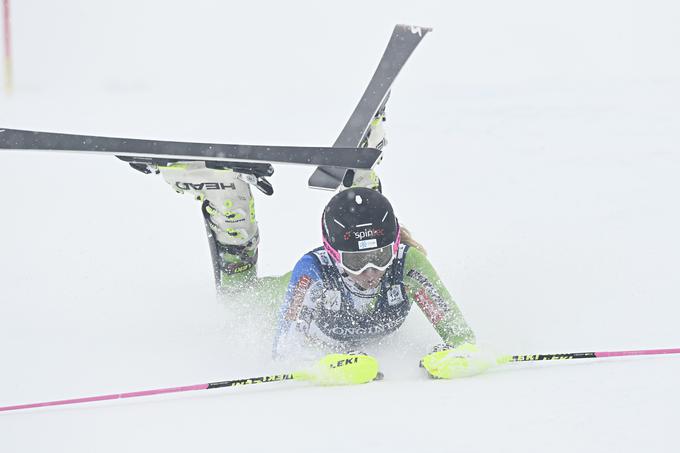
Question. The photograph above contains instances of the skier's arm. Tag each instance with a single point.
(426, 289)
(298, 309)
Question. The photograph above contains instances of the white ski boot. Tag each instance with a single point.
(229, 211)
(375, 138)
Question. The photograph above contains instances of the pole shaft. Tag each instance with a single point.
(187, 388)
(591, 355)
(638, 352)
(8, 46)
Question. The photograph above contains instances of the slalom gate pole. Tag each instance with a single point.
(7, 46)
(188, 388)
(587, 355)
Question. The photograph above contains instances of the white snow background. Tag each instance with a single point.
(533, 150)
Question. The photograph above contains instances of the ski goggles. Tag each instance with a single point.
(357, 262)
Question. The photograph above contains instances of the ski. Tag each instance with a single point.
(152, 151)
(404, 40)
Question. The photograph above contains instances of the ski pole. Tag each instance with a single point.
(585, 355)
(463, 361)
(187, 388)
(333, 369)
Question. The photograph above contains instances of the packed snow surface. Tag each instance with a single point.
(533, 149)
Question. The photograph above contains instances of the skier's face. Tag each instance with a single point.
(368, 279)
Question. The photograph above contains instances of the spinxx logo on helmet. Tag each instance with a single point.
(365, 234)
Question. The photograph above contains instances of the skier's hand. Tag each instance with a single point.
(342, 369)
(466, 360)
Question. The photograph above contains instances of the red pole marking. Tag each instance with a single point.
(642, 352)
(5, 4)
(114, 396)
(8, 46)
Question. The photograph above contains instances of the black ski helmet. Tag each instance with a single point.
(357, 220)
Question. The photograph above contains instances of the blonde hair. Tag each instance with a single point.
(407, 238)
